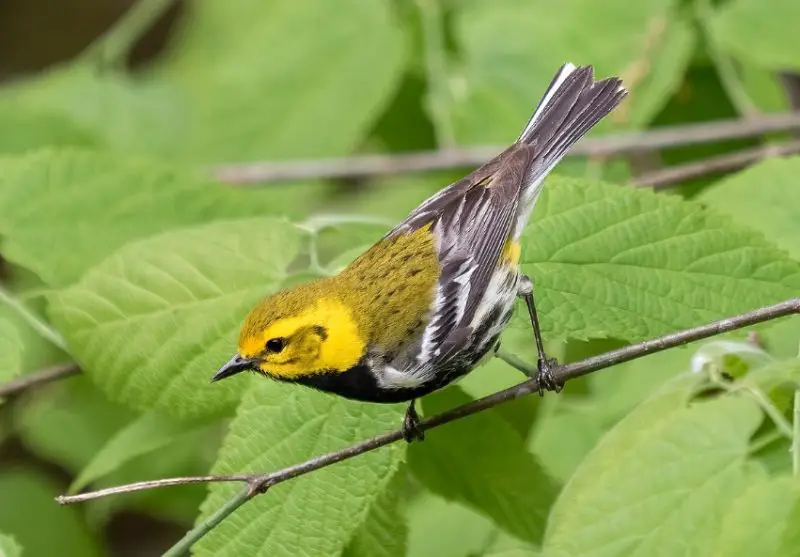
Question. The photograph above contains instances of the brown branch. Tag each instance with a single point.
(260, 483)
(664, 178)
(613, 145)
(47, 375)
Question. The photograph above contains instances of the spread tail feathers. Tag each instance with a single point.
(573, 103)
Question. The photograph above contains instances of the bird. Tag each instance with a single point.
(428, 301)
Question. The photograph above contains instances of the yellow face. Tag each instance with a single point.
(320, 336)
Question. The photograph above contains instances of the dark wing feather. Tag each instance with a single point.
(472, 220)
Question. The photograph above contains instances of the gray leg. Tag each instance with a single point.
(545, 364)
(411, 429)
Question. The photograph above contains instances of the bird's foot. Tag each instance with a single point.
(411, 425)
(545, 377)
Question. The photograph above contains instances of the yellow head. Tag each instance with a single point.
(298, 332)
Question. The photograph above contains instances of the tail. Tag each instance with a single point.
(573, 103)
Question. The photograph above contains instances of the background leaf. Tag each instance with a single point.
(32, 495)
(756, 197)
(664, 469)
(481, 461)
(278, 425)
(504, 71)
(614, 262)
(144, 434)
(10, 351)
(759, 36)
(193, 286)
(9, 547)
(268, 91)
(118, 200)
(384, 533)
(762, 521)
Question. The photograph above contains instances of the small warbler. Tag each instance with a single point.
(426, 303)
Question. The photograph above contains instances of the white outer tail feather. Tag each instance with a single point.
(558, 80)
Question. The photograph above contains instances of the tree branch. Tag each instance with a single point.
(46, 375)
(612, 145)
(661, 179)
(260, 483)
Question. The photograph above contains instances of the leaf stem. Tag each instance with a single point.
(257, 483)
(187, 541)
(113, 47)
(34, 321)
(516, 362)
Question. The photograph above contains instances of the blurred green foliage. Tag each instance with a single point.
(115, 234)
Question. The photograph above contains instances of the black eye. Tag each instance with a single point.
(275, 344)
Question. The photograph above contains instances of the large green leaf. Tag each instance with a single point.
(63, 211)
(152, 323)
(145, 434)
(760, 198)
(442, 528)
(260, 85)
(481, 461)
(9, 547)
(631, 264)
(656, 483)
(279, 425)
(122, 113)
(384, 533)
(512, 49)
(28, 505)
(26, 127)
(763, 37)
(764, 521)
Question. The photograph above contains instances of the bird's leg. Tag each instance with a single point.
(411, 429)
(545, 364)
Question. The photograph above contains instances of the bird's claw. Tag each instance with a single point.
(547, 382)
(411, 426)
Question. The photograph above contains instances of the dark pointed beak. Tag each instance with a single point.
(235, 365)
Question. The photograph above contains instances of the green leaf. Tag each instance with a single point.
(510, 53)
(9, 547)
(116, 199)
(771, 211)
(279, 425)
(152, 323)
(763, 37)
(441, 528)
(145, 434)
(609, 261)
(481, 461)
(27, 127)
(10, 350)
(259, 85)
(505, 546)
(33, 506)
(655, 483)
(763, 521)
(384, 533)
(122, 113)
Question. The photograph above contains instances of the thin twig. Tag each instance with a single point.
(259, 483)
(612, 145)
(46, 375)
(660, 179)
